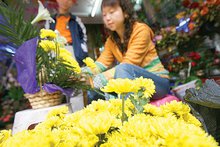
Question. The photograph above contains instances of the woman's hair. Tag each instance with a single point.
(127, 8)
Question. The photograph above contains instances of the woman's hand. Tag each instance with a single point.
(87, 79)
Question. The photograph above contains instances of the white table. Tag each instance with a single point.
(24, 119)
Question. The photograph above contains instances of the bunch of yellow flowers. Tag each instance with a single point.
(58, 65)
(49, 43)
(99, 124)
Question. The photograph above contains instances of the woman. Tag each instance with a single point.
(130, 44)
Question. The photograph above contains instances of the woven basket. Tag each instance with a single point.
(44, 99)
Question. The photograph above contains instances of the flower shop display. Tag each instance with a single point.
(183, 36)
(187, 49)
(11, 102)
(11, 95)
(45, 67)
(100, 123)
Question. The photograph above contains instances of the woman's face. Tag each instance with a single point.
(113, 17)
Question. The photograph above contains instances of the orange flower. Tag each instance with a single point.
(169, 67)
(194, 16)
(204, 11)
(212, 1)
(181, 59)
(191, 25)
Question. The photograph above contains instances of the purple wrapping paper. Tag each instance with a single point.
(52, 88)
(25, 59)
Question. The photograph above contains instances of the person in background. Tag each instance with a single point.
(70, 27)
(130, 44)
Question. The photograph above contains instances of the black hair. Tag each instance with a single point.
(127, 8)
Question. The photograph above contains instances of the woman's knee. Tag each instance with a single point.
(122, 70)
(122, 67)
(162, 89)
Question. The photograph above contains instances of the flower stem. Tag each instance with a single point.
(123, 108)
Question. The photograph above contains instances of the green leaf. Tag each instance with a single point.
(138, 102)
(16, 93)
(15, 28)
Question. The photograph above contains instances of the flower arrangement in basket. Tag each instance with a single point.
(46, 70)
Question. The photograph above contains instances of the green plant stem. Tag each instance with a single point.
(123, 108)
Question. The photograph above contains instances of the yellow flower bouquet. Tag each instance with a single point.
(99, 124)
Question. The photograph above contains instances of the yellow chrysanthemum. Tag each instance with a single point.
(152, 110)
(77, 69)
(147, 85)
(175, 108)
(50, 123)
(89, 62)
(31, 138)
(137, 129)
(73, 63)
(47, 33)
(47, 45)
(4, 135)
(64, 52)
(98, 106)
(72, 120)
(183, 134)
(119, 86)
(189, 118)
(83, 128)
(88, 140)
(98, 123)
(58, 112)
(121, 140)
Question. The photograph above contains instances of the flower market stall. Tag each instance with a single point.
(190, 48)
(48, 75)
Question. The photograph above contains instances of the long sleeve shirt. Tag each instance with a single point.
(141, 51)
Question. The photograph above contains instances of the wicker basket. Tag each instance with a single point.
(44, 99)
